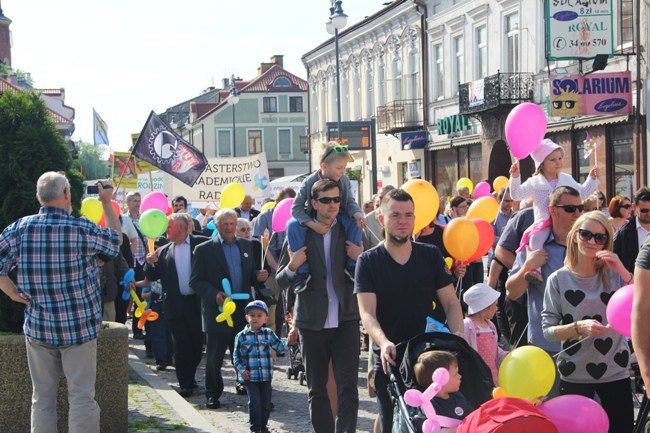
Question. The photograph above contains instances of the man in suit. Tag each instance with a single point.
(629, 238)
(326, 313)
(225, 256)
(245, 210)
(179, 204)
(172, 264)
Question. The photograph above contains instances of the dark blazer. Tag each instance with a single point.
(311, 305)
(254, 213)
(208, 269)
(626, 244)
(165, 271)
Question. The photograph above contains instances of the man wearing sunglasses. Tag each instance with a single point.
(565, 207)
(629, 238)
(326, 313)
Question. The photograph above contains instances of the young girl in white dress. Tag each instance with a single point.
(548, 176)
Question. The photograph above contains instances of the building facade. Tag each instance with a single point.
(412, 65)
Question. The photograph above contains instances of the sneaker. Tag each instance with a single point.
(534, 277)
(300, 285)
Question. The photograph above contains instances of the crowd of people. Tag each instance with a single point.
(336, 275)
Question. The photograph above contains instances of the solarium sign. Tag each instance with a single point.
(577, 95)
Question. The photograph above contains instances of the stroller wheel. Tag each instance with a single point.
(303, 379)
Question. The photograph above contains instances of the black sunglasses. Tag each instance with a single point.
(626, 206)
(328, 200)
(570, 208)
(643, 210)
(599, 238)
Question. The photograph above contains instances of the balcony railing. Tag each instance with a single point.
(499, 91)
(400, 116)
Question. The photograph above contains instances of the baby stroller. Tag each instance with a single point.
(296, 368)
(476, 385)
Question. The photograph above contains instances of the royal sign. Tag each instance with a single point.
(451, 124)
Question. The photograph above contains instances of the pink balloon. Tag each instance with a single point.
(154, 200)
(576, 414)
(481, 189)
(281, 215)
(525, 128)
(619, 310)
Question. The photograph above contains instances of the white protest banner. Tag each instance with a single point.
(251, 172)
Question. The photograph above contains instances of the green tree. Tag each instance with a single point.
(30, 145)
(90, 161)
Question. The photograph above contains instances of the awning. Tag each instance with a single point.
(587, 122)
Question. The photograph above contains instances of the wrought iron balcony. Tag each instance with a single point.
(499, 91)
(400, 116)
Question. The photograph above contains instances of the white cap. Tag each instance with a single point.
(479, 297)
(546, 147)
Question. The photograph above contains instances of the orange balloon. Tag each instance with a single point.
(499, 183)
(426, 200)
(486, 207)
(461, 238)
(169, 211)
(102, 221)
(485, 238)
(116, 208)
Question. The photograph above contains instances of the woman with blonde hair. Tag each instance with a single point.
(594, 358)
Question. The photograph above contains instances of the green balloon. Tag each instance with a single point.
(153, 223)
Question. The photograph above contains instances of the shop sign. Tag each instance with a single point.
(577, 95)
(414, 140)
(451, 124)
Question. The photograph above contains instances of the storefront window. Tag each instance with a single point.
(581, 164)
(445, 173)
(623, 156)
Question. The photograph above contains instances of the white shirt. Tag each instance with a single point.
(128, 228)
(183, 261)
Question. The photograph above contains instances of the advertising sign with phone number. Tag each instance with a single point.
(579, 29)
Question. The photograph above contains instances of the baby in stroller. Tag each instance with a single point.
(476, 386)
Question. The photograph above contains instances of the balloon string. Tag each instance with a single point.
(459, 285)
(266, 250)
(521, 336)
(580, 340)
(373, 234)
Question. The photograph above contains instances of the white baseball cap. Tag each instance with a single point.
(479, 297)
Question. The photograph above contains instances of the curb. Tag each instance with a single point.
(185, 410)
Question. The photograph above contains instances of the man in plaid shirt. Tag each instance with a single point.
(58, 280)
(254, 363)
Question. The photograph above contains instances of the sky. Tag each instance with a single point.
(125, 58)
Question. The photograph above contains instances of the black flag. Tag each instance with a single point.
(162, 147)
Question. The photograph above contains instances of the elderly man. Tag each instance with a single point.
(172, 265)
(58, 280)
(565, 206)
(245, 210)
(224, 257)
(372, 234)
(397, 283)
(326, 313)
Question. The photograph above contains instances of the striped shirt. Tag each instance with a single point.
(253, 352)
(54, 255)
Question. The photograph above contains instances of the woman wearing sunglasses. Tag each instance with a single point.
(594, 358)
(620, 211)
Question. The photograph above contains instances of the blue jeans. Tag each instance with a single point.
(297, 232)
(161, 338)
(259, 404)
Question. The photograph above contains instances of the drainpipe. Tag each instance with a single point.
(308, 117)
(421, 9)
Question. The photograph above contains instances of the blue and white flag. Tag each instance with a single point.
(100, 129)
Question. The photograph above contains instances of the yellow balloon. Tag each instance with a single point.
(527, 372)
(92, 209)
(232, 196)
(499, 183)
(449, 261)
(460, 238)
(486, 208)
(426, 200)
(267, 206)
(464, 181)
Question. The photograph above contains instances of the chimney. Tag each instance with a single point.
(225, 83)
(5, 39)
(277, 59)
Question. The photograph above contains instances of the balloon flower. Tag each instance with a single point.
(415, 398)
(229, 308)
(232, 296)
(142, 312)
(126, 281)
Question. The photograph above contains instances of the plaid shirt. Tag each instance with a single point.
(253, 352)
(54, 254)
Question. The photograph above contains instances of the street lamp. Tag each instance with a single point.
(233, 99)
(338, 20)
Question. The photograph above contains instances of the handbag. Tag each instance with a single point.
(267, 295)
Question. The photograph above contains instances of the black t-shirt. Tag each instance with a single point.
(435, 238)
(643, 258)
(406, 294)
(456, 406)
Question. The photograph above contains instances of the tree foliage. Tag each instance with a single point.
(90, 161)
(30, 145)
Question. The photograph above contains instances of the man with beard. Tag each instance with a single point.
(397, 285)
(629, 238)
